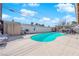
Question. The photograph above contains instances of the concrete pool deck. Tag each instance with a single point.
(46, 37)
(67, 45)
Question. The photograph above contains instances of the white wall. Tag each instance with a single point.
(37, 28)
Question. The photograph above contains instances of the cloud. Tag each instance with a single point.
(69, 18)
(56, 20)
(5, 16)
(31, 4)
(49, 21)
(65, 7)
(45, 19)
(34, 4)
(25, 12)
(20, 19)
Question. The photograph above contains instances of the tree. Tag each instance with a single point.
(42, 25)
(32, 23)
(74, 22)
(36, 24)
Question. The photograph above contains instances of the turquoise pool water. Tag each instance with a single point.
(46, 37)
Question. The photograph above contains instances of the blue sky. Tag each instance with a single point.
(49, 14)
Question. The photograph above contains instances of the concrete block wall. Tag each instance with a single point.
(12, 28)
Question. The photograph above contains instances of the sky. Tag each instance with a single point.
(49, 14)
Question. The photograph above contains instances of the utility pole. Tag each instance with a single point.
(0, 11)
(77, 12)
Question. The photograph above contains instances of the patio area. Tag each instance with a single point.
(63, 46)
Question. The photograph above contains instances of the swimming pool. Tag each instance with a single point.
(46, 37)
